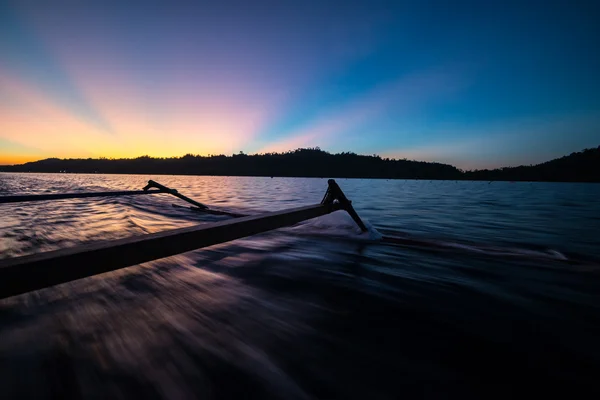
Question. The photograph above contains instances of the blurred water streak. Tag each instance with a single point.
(315, 310)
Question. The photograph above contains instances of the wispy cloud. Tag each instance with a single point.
(397, 98)
(508, 142)
(12, 152)
(26, 55)
(33, 119)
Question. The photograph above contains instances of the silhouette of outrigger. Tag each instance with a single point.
(36, 271)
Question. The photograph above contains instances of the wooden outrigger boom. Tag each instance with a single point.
(27, 273)
(61, 196)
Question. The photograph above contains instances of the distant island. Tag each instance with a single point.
(582, 166)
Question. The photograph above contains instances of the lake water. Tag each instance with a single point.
(503, 301)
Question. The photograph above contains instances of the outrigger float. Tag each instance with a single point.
(36, 271)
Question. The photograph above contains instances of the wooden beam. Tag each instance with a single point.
(174, 192)
(23, 274)
(334, 192)
(60, 196)
(211, 211)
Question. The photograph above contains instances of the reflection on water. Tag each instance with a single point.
(312, 311)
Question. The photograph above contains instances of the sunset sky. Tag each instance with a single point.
(474, 84)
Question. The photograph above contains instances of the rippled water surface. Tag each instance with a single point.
(499, 297)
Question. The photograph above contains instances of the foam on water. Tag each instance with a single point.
(338, 223)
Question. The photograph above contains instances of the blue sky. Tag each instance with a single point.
(475, 84)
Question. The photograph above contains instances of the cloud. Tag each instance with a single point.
(26, 55)
(399, 97)
(33, 119)
(12, 152)
(508, 142)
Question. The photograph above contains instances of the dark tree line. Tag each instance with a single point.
(301, 162)
(582, 166)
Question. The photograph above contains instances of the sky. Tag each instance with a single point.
(477, 84)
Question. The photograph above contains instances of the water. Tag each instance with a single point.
(490, 308)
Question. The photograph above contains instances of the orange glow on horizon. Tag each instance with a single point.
(33, 120)
(14, 159)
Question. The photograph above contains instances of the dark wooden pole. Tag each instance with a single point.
(211, 211)
(335, 194)
(174, 192)
(60, 196)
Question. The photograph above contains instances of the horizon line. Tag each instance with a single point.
(316, 148)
